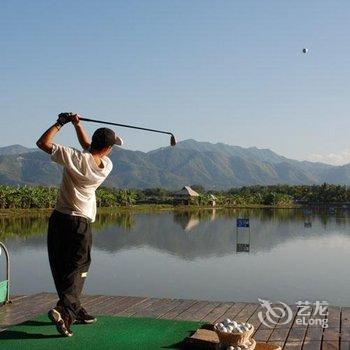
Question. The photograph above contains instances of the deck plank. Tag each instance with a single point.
(331, 335)
(298, 329)
(312, 345)
(26, 308)
(232, 312)
(198, 311)
(247, 312)
(98, 303)
(345, 325)
(105, 305)
(168, 308)
(261, 333)
(330, 345)
(217, 312)
(277, 332)
(18, 297)
(192, 310)
(293, 346)
(255, 318)
(178, 309)
(345, 345)
(200, 316)
(282, 329)
(155, 309)
(128, 306)
(292, 335)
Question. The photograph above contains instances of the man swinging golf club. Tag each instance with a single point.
(69, 233)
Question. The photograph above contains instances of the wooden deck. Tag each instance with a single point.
(290, 336)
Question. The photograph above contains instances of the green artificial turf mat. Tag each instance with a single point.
(108, 333)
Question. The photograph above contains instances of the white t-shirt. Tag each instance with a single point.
(81, 178)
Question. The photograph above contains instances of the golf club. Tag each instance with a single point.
(172, 137)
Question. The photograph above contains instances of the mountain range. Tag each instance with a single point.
(214, 166)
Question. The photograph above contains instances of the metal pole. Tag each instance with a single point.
(7, 301)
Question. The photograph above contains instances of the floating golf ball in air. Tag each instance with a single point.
(305, 50)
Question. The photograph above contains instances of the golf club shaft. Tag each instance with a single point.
(126, 126)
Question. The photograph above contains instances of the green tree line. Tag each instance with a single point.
(40, 197)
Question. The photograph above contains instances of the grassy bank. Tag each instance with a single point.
(142, 208)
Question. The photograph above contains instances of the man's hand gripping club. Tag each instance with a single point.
(45, 141)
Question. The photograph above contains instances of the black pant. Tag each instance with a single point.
(69, 243)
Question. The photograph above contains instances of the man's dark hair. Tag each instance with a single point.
(102, 138)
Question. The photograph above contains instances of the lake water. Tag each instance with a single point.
(196, 255)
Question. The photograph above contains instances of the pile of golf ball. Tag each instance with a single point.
(228, 326)
(236, 347)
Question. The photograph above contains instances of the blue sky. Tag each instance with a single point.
(218, 71)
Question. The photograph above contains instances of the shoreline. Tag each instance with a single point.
(17, 212)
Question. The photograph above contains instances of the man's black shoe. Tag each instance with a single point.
(62, 321)
(84, 318)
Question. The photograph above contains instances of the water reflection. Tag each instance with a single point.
(199, 254)
(243, 235)
(188, 234)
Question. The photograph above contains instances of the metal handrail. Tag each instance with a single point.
(7, 272)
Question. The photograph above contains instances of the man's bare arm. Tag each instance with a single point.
(45, 141)
(82, 135)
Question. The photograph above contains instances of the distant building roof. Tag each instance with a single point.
(187, 191)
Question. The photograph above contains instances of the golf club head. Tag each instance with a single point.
(172, 140)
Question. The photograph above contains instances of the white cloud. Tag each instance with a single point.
(340, 158)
